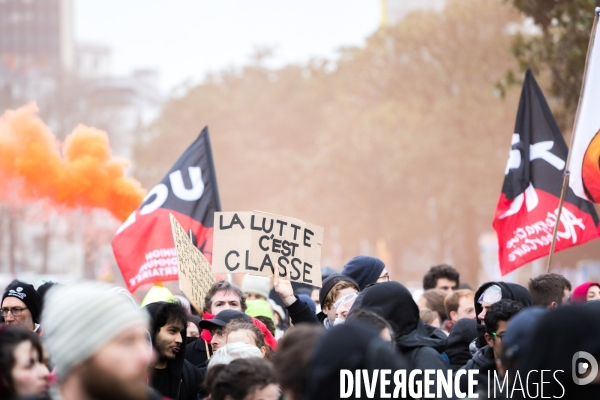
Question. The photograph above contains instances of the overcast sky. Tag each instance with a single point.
(185, 39)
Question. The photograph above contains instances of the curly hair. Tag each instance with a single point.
(440, 271)
(241, 378)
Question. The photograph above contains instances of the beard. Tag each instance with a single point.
(100, 383)
(163, 349)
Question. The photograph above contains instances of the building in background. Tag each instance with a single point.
(41, 61)
(393, 11)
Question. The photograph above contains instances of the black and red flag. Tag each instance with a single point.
(143, 245)
(526, 212)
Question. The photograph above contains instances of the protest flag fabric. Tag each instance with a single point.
(527, 210)
(584, 164)
(143, 245)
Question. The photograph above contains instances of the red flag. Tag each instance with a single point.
(526, 212)
(143, 245)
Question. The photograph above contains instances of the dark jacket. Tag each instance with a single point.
(195, 353)
(484, 361)
(300, 312)
(461, 335)
(510, 291)
(350, 346)
(421, 345)
(180, 380)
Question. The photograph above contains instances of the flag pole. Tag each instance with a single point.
(565, 184)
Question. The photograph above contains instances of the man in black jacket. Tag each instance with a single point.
(496, 320)
(172, 375)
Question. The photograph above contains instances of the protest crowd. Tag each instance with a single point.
(269, 339)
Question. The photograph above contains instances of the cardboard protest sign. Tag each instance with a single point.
(195, 274)
(266, 244)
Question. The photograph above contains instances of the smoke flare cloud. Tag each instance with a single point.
(82, 172)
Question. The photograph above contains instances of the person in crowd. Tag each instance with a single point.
(433, 299)
(193, 326)
(365, 271)
(22, 370)
(463, 333)
(550, 290)
(441, 277)
(309, 301)
(21, 306)
(342, 306)
(223, 295)
(458, 305)
(292, 359)
(185, 303)
(298, 310)
(417, 342)
(231, 351)
(487, 358)
(279, 319)
(352, 346)
(172, 375)
(334, 287)
(490, 293)
(587, 291)
(43, 289)
(517, 340)
(375, 321)
(216, 327)
(245, 379)
(256, 287)
(245, 332)
(557, 337)
(429, 317)
(98, 342)
(261, 310)
(314, 296)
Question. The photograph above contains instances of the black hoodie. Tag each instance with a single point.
(510, 291)
(180, 380)
(461, 335)
(351, 346)
(418, 343)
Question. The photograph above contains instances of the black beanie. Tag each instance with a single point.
(364, 269)
(330, 282)
(28, 295)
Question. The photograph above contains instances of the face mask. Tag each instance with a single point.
(318, 309)
(338, 321)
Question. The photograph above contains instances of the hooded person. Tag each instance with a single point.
(365, 270)
(517, 341)
(490, 293)
(172, 375)
(25, 305)
(421, 345)
(351, 346)
(462, 334)
(560, 335)
(585, 292)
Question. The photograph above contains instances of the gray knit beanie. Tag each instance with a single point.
(78, 320)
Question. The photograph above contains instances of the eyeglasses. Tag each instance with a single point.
(499, 336)
(16, 312)
(384, 278)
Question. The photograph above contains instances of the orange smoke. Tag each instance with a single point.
(590, 170)
(84, 175)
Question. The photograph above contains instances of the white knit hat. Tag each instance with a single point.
(260, 285)
(78, 320)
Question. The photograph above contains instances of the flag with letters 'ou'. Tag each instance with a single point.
(528, 207)
(143, 245)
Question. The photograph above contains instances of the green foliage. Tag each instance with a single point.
(557, 51)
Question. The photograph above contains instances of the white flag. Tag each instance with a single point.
(584, 164)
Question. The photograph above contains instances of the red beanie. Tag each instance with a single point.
(580, 293)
